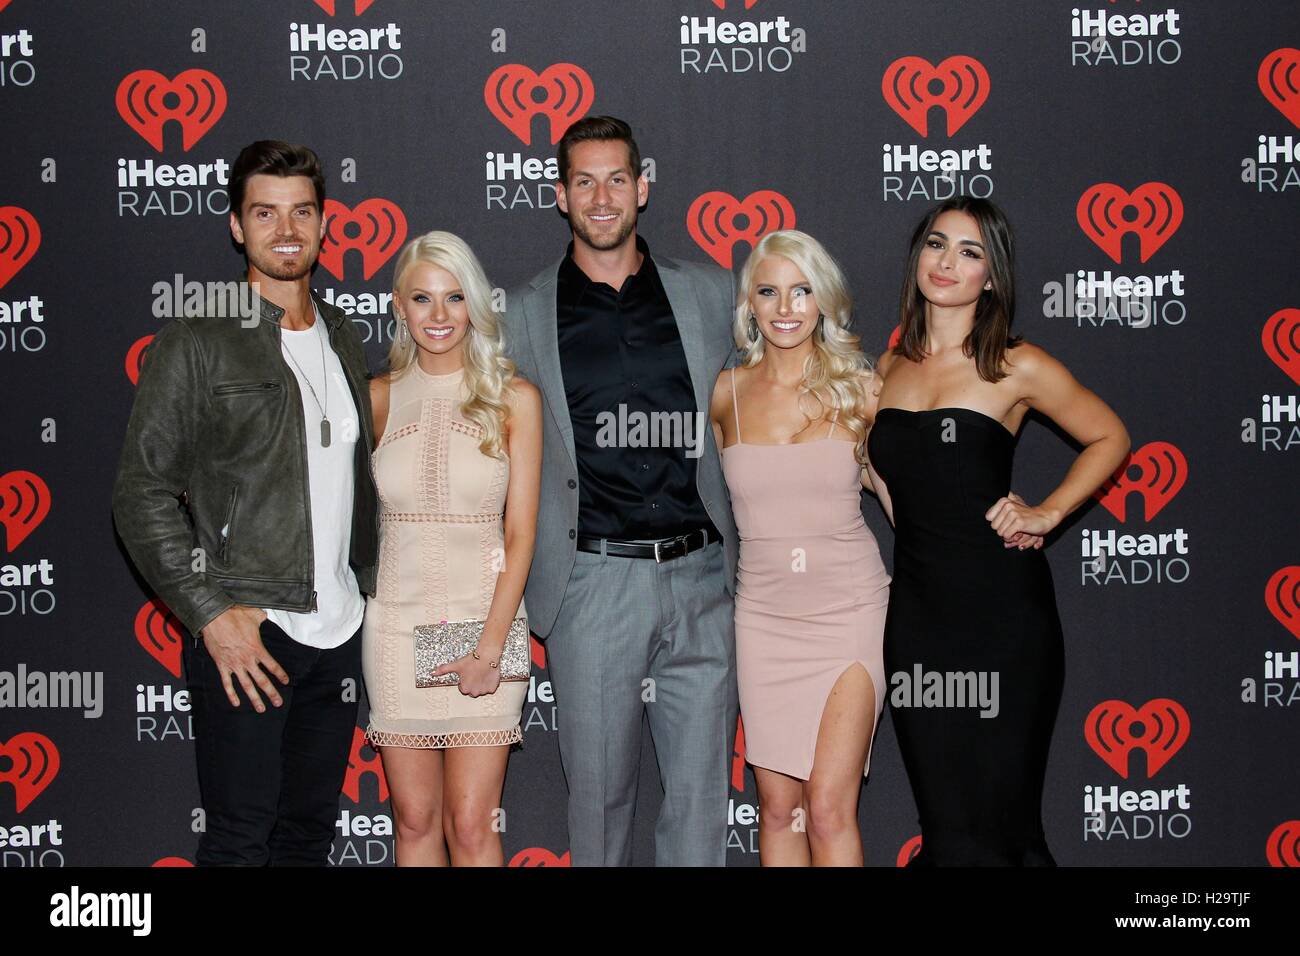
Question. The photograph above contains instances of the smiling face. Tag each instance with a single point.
(952, 269)
(279, 226)
(603, 193)
(434, 307)
(783, 303)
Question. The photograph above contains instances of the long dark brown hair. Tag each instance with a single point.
(990, 336)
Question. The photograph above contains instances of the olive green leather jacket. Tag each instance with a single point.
(211, 498)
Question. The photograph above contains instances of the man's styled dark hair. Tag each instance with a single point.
(597, 128)
(273, 157)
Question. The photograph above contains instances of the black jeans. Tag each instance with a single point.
(270, 782)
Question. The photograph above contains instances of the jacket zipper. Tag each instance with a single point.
(248, 387)
(367, 440)
(225, 531)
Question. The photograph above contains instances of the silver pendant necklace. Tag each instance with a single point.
(323, 406)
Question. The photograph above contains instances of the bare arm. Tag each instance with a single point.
(1048, 387)
(720, 405)
(379, 391)
(872, 383)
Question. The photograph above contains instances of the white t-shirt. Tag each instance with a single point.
(339, 604)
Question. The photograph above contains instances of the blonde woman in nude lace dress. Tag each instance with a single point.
(457, 463)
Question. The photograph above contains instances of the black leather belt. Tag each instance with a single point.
(665, 549)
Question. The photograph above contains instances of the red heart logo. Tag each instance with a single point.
(895, 336)
(1161, 472)
(1283, 848)
(20, 237)
(537, 650)
(375, 227)
(135, 358)
(711, 220)
(359, 765)
(3, 4)
(911, 86)
(566, 89)
(539, 856)
(358, 6)
(159, 632)
(722, 4)
(198, 99)
(24, 504)
(1281, 338)
(35, 764)
(1163, 729)
(1279, 81)
(1158, 212)
(1282, 598)
(908, 850)
(172, 861)
(738, 758)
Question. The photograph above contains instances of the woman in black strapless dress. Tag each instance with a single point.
(973, 643)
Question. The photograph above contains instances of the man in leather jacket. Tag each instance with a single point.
(245, 498)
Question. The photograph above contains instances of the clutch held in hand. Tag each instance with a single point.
(448, 641)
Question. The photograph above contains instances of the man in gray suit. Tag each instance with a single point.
(633, 580)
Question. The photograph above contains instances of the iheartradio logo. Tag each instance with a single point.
(1282, 598)
(195, 99)
(1279, 81)
(358, 6)
(20, 237)
(168, 861)
(539, 856)
(158, 631)
(514, 94)
(24, 504)
(720, 4)
(1283, 847)
(360, 765)
(33, 765)
(135, 357)
(908, 850)
(1281, 339)
(1107, 213)
(718, 220)
(1157, 471)
(1113, 729)
(738, 758)
(912, 86)
(375, 227)
(537, 651)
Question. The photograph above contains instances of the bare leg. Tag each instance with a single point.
(415, 787)
(473, 819)
(833, 788)
(782, 830)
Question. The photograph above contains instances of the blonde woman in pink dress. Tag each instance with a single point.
(811, 591)
(458, 468)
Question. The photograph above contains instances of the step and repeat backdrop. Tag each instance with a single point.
(1147, 153)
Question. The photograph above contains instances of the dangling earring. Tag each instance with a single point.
(752, 332)
(403, 333)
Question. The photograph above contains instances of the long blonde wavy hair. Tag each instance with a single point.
(833, 372)
(488, 373)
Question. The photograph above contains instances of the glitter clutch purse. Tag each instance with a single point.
(438, 644)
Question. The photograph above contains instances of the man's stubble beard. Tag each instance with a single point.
(578, 224)
(283, 272)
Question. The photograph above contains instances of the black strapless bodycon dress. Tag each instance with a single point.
(965, 615)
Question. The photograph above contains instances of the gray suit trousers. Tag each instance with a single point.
(636, 638)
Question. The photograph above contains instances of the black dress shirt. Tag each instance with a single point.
(621, 358)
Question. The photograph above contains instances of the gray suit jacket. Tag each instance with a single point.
(703, 302)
